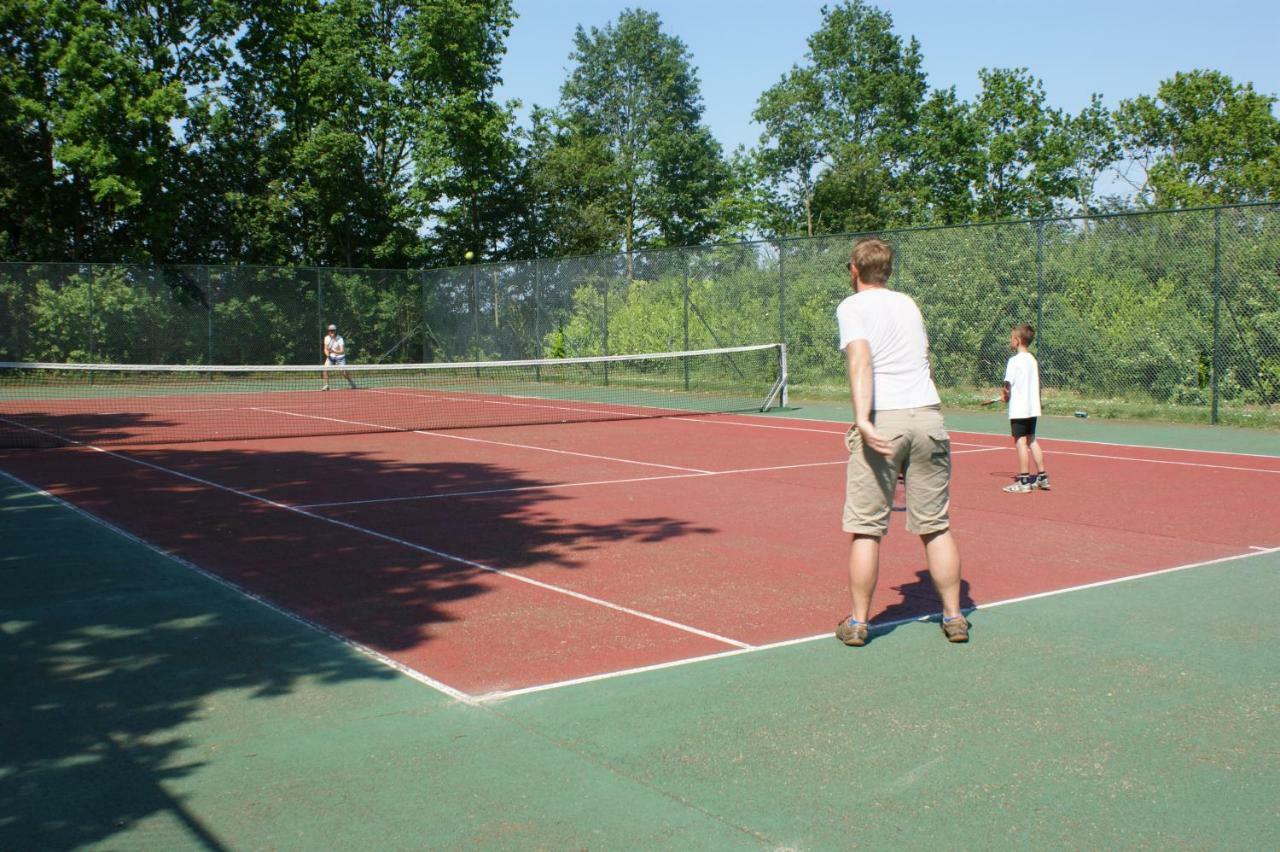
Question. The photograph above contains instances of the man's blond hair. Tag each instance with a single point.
(874, 260)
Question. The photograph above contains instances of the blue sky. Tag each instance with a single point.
(1119, 49)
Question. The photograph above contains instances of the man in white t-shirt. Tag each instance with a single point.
(1022, 392)
(335, 355)
(898, 430)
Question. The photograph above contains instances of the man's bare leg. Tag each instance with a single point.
(864, 571)
(943, 557)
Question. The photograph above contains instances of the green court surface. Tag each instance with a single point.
(148, 706)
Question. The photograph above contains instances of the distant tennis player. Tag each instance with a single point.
(335, 355)
(1022, 392)
(898, 429)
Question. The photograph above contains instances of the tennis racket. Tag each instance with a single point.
(992, 401)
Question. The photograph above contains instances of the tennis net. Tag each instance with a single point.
(47, 405)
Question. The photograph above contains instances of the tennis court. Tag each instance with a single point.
(484, 566)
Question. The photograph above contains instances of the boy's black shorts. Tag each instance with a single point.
(1022, 427)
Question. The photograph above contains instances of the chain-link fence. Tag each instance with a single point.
(1171, 314)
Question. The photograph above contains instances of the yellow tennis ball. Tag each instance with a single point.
(469, 255)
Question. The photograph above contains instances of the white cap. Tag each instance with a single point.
(333, 327)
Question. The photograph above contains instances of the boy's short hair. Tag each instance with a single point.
(1025, 333)
(874, 259)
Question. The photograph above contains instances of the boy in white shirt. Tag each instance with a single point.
(1022, 392)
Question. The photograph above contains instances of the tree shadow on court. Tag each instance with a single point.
(108, 653)
(918, 600)
(112, 654)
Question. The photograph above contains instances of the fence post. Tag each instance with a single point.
(684, 254)
(782, 295)
(1042, 349)
(93, 335)
(475, 315)
(423, 309)
(537, 308)
(320, 323)
(208, 314)
(1217, 302)
(493, 289)
(605, 283)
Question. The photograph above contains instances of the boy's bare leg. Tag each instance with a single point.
(943, 556)
(864, 570)
(1021, 444)
(1036, 455)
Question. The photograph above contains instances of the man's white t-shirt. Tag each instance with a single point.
(1023, 375)
(892, 325)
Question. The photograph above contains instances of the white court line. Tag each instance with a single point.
(222, 581)
(1164, 461)
(604, 408)
(446, 494)
(876, 627)
(453, 437)
(560, 485)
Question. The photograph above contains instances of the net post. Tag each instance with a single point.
(784, 376)
(779, 389)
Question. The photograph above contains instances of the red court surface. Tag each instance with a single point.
(495, 560)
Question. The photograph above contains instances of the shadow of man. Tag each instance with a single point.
(919, 601)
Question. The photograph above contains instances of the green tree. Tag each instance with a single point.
(630, 117)
(1203, 139)
(1023, 148)
(945, 162)
(838, 129)
(347, 129)
(1093, 146)
(746, 207)
(562, 210)
(95, 97)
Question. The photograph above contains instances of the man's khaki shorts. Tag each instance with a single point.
(922, 453)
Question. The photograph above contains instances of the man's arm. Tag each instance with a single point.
(858, 358)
